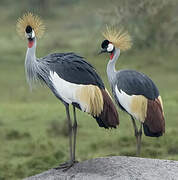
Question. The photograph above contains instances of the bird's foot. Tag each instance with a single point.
(67, 165)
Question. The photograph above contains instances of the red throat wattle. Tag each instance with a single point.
(30, 43)
(111, 56)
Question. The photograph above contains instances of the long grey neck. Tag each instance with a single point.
(31, 65)
(111, 71)
(31, 52)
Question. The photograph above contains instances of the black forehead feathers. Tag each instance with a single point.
(28, 29)
(105, 44)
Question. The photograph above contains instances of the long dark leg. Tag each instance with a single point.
(75, 134)
(139, 140)
(70, 131)
(68, 164)
(135, 126)
(136, 135)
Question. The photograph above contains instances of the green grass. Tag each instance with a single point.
(33, 132)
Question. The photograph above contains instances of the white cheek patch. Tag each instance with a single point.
(33, 34)
(110, 47)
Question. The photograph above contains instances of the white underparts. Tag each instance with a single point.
(87, 96)
(135, 105)
(66, 90)
(124, 99)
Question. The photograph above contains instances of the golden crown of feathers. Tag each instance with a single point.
(34, 21)
(120, 38)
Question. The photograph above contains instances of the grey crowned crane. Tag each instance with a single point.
(72, 80)
(134, 92)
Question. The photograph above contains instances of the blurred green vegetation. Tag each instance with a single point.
(33, 132)
(151, 23)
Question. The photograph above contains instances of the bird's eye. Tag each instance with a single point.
(28, 29)
(104, 44)
(110, 47)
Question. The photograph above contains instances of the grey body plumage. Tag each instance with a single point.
(136, 83)
(130, 81)
(68, 66)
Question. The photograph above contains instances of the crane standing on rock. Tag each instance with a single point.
(134, 92)
(72, 80)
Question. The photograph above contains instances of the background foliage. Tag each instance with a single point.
(33, 132)
(152, 23)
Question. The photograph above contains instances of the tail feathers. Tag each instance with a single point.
(154, 124)
(109, 117)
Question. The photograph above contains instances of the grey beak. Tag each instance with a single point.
(102, 51)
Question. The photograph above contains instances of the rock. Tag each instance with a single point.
(115, 168)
